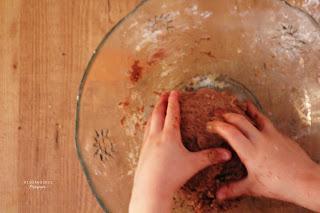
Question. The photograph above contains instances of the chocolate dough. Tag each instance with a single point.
(198, 108)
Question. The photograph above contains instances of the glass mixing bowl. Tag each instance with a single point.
(268, 50)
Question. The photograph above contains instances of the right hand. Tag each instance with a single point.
(277, 166)
(164, 163)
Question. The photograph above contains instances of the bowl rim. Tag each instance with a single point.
(78, 103)
(87, 72)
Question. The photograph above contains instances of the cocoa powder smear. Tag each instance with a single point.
(197, 109)
(136, 72)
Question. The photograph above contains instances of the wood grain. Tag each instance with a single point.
(44, 49)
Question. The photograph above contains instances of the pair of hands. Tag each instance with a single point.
(277, 167)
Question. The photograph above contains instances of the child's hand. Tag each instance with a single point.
(164, 163)
(277, 166)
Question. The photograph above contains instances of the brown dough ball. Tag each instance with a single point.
(197, 109)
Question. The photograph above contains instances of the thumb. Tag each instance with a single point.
(233, 190)
(209, 157)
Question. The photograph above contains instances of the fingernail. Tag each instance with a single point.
(226, 115)
(226, 156)
(221, 195)
(218, 156)
(210, 125)
(223, 154)
(174, 92)
(164, 94)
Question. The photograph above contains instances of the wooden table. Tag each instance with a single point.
(44, 49)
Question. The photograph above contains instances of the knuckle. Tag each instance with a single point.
(202, 158)
(175, 121)
(263, 118)
(171, 101)
(237, 118)
(267, 124)
(151, 136)
(174, 108)
(251, 188)
(170, 132)
(211, 155)
(155, 112)
(230, 190)
(232, 131)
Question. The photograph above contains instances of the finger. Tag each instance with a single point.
(243, 125)
(262, 121)
(173, 112)
(159, 114)
(233, 136)
(233, 190)
(147, 129)
(209, 157)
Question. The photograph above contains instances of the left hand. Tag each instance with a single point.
(277, 166)
(165, 164)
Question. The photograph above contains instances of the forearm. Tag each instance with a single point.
(307, 190)
(149, 206)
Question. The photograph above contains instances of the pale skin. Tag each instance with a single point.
(277, 167)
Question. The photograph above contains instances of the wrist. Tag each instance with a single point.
(306, 189)
(148, 199)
